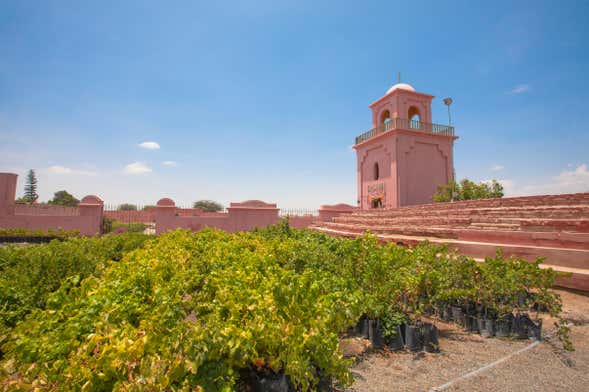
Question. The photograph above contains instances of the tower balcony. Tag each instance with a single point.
(405, 124)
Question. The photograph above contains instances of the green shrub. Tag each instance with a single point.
(468, 190)
(131, 227)
(41, 269)
(208, 206)
(25, 233)
(64, 198)
(189, 311)
(127, 207)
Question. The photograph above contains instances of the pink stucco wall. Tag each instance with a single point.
(239, 217)
(86, 218)
(398, 103)
(301, 221)
(144, 216)
(411, 166)
(424, 162)
(412, 160)
(7, 193)
(328, 212)
(148, 215)
(45, 209)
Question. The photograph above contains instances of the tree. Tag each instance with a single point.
(64, 198)
(496, 189)
(445, 192)
(31, 195)
(208, 206)
(468, 190)
(127, 207)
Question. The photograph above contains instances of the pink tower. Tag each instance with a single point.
(404, 157)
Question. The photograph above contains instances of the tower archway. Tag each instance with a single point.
(385, 120)
(414, 117)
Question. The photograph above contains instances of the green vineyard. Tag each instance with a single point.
(212, 311)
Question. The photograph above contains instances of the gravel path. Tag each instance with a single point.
(544, 367)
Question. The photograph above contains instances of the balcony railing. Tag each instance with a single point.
(412, 125)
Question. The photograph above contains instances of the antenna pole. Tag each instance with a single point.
(398, 77)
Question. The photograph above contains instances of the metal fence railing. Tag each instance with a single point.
(403, 123)
(298, 212)
(146, 213)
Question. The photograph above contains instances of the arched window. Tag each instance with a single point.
(376, 171)
(414, 118)
(385, 120)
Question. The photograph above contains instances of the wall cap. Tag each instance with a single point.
(91, 200)
(253, 204)
(341, 207)
(165, 202)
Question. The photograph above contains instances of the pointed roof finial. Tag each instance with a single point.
(398, 77)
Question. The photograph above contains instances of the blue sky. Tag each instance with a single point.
(263, 99)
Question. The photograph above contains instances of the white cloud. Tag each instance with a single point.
(568, 181)
(497, 168)
(170, 163)
(521, 88)
(57, 169)
(136, 168)
(150, 145)
(578, 178)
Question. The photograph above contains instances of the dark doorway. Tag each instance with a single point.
(376, 203)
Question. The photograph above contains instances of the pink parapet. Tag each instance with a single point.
(86, 218)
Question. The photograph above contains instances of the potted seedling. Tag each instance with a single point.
(392, 326)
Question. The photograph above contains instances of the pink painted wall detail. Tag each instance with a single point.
(242, 216)
(86, 218)
(404, 157)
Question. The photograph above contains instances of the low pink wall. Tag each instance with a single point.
(301, 222)
(45, 209)
(7, 193)
(328, 212)
(86, 218)
(86, 225)
(131, 216)
(239, 217)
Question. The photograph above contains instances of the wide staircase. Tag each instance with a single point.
(555, 227)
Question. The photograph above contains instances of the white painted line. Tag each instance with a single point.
(484, 368)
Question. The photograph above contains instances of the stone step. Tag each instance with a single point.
(490, 207)
(540, 200)
(441, 232)
(411, 219)
(524, 212)
(576, 225)
(547, 239)
(494, 226)
(481, 222)
(542, 238)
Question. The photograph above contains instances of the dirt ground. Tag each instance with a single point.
(541, 367)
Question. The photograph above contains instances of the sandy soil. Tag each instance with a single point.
(545, 367)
